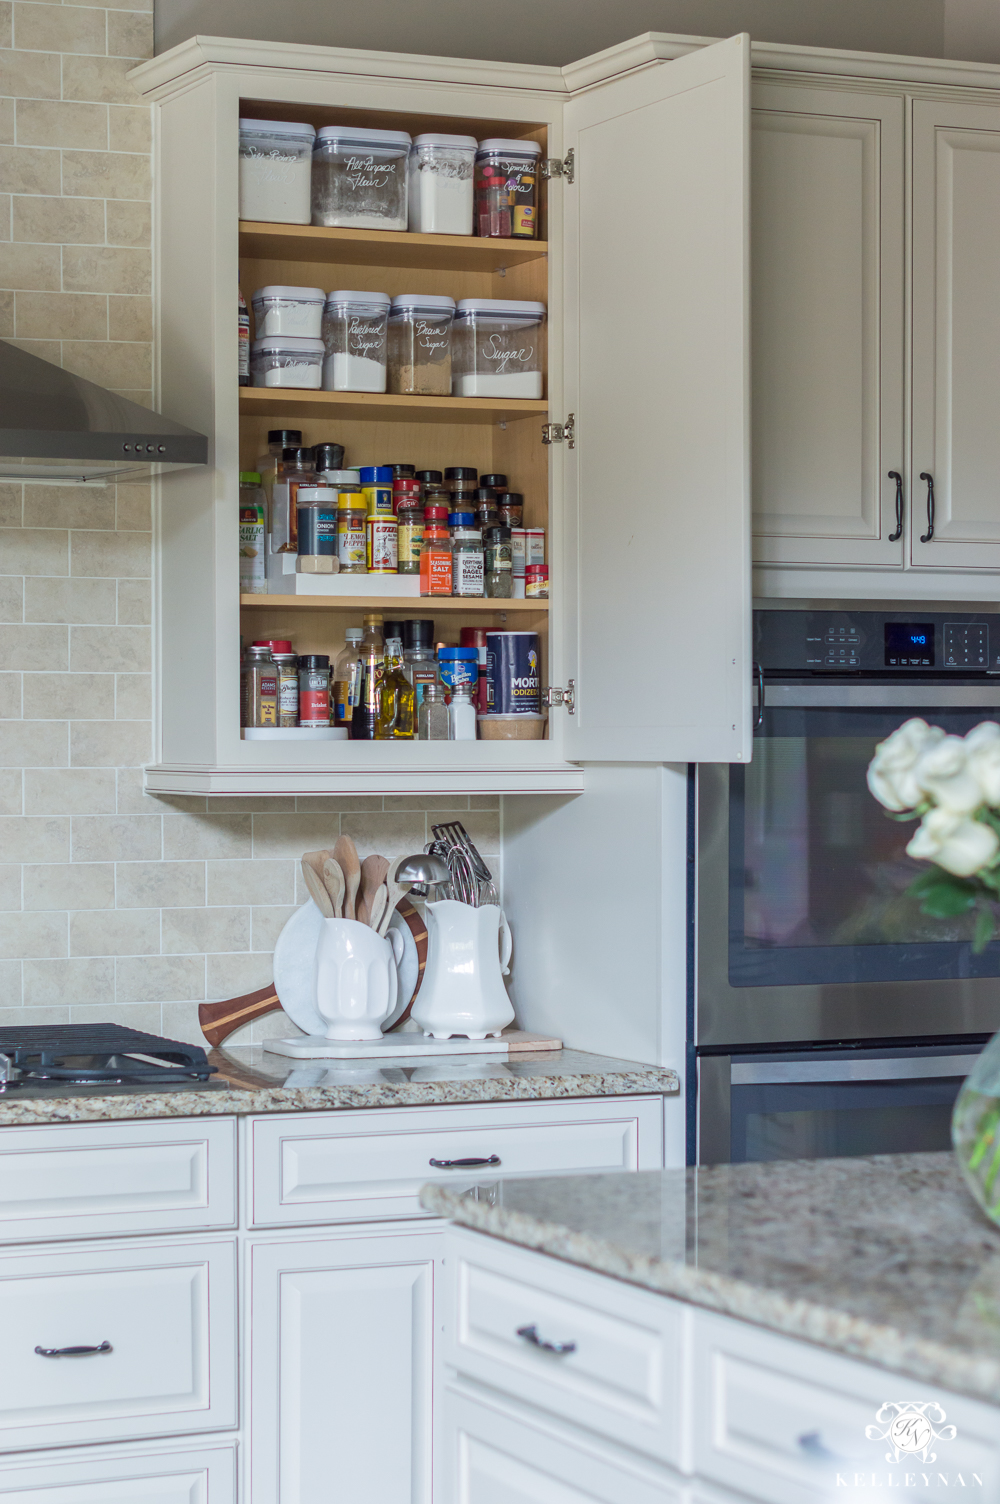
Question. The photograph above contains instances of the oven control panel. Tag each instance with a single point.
(885, 642)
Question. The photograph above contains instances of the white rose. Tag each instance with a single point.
(943, 772)
(892, 769)
(956, 842)
(983, 743)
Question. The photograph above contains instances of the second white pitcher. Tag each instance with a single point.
(463, 991)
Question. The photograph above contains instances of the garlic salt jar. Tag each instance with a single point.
(359, 178)
(276, 171)
(354, 336)
(288, 310)
(497, 348)
(284, 360)
(441, 184)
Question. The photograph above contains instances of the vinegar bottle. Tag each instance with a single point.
(364, 721)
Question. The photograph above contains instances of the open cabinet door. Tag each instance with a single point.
(657, 377)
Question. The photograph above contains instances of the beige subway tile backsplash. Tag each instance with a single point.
(123, 838)
(30, 75)
(99, 80)
(59, 122)
(109, 744)
(69, 791)
(105, 269)
(65, 506)
(120, 650)
(70, 885)
(156, 884)
(89, 602)
(30, 267)
(157, 979)
(121, 554)
(54, 28)
(115, 932)
(69, 696)
(67, 316)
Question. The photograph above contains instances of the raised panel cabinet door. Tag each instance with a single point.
(123, 1475)
(341, 1368)
(657, 586)
(827, 326)
(956, 335)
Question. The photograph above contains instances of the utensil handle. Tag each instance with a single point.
(218, 1020)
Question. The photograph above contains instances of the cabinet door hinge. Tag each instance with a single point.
(554, 167)
(567, 696)
(557, 433)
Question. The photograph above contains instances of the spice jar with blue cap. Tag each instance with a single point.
(458, 666)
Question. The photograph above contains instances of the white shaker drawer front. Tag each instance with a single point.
(156, 1323)
(590, 1350)
(113, 1179)
(494, 1456)
(359, 1166)
(123, 1475)
(783, 1420)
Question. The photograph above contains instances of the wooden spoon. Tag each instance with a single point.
(333, 877)
(394, 892)
(345, 853)
(374, 871)
(313, 875)
(378, 908)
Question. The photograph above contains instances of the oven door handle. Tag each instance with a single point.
(877, 696)
(759, 721)
(804, 1072)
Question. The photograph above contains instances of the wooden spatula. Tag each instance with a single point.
(312, 871)
(333, 877)
(374, 871)
(345, 853)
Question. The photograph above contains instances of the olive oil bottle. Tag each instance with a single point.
(397, 701)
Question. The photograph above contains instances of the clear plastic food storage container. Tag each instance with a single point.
(276, 170)
(497, 348)
(420, 344)
(283, 360)
(440, 184)
(359, 178)
(354, 335)
(288, 310)
(506, 189)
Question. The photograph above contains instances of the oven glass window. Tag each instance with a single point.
(819, 871)
(825, 1121)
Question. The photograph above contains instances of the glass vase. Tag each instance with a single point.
(975, 1130)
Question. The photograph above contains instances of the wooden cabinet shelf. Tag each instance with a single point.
(392, 248)
(393, 606)
(258, 401)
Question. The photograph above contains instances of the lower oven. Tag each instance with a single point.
(828, 1014)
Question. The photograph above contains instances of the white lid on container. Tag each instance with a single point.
(510, 148)
(382, 299)
(362, 134)
(290, 294)
(432, 138)
(315, 493)
(500, 307)
(277, 128)
(428, 302)
(350, 478)
(293, 344)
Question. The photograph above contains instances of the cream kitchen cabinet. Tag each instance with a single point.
(875, 323)
(642, 264)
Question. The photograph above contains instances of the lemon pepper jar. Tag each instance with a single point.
(351, 544)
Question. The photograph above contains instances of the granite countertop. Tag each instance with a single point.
(258, 1082)
(887, 1259)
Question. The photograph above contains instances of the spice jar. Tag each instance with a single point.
(382, 539)
(405, 493)
(354, 338)
(258, 688)
(429, 479)
(506, 181)
(276, 170)
(461, 481)
(440, 192)
(498, 576)
(486, 507)
(497, 348)
(359, 177)
(316, 522)
(534, 545)
(467, 559)
(314, 689)
(462, 714)
(376, 483)
(458, 666)
(510, 505)
(536, 582)
(420, 344)
(352, 547)
(253, 513)
(493, 482)
(432, 715)
(435, 553)
(288, 677)
(410, 519)
(475, 637)
(327, 461)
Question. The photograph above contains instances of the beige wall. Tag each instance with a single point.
(114, 905)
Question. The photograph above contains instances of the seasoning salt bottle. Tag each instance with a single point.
(435, 553)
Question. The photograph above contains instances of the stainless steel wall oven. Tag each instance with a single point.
(829, 1015)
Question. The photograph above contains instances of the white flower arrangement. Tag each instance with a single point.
(952, 785)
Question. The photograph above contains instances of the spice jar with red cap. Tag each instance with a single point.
(288, 677)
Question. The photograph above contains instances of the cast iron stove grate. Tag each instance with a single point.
(85, 1054)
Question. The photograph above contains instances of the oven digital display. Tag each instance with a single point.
(909, 644)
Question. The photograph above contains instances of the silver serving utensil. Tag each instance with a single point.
(423, 871)
(455, 833)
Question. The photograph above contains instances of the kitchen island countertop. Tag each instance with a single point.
(258, 1082)
(887, 1259)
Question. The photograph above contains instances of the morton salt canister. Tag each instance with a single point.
(513, 673)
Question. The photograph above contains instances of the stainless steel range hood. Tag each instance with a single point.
(57, 427)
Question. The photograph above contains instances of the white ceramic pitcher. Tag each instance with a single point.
(463, 991)
(356, 978)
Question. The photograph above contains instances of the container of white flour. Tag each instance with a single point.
(441, 170)
(359, 178)
(276, 171)
(354, 331)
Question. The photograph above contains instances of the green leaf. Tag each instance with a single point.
(986, 924)
(945, 901)
(936, 877)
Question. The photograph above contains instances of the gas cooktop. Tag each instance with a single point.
(70, 1059)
